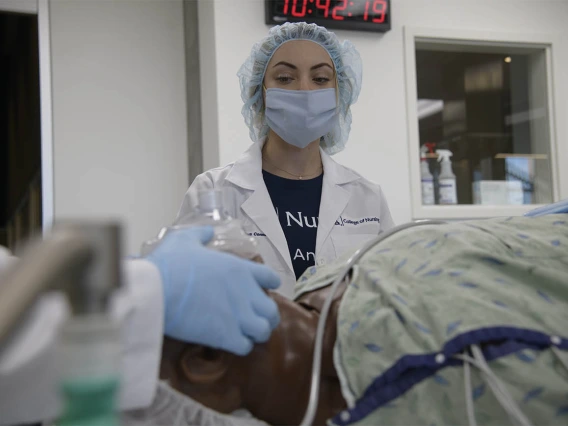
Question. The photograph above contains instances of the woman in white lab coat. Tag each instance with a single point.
(304, 208)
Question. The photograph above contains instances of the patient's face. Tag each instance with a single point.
(273, 381)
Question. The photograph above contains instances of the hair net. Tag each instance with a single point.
(348, 68)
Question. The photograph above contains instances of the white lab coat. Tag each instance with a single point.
(28, 377)
(352, 210)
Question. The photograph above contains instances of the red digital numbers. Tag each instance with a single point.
(302, 13)
(295, 13)
(379, 8)
(339, 8)
(324, 6)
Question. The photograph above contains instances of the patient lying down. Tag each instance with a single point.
(273, 381)
(495, 289)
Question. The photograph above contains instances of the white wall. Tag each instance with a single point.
(119, 108)
(378, 146)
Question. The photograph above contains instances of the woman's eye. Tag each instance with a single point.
(321, 80)
(284, 79)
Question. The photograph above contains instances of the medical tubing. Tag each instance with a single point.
(513, 408)
(316, 366)
(556, 352)
(468, 395)
(490, 378)
(491, 381)
(497, 386)
(501, 394)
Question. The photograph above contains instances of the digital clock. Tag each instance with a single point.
(359, 15)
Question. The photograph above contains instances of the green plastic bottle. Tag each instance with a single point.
(90, 402)
(89, 353)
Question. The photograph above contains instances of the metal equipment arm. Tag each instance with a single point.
(80, 258)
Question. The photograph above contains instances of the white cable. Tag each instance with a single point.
(556, 352)
(500, 394)
(469, 395)
(514, 408)
(505, 403)
(497, 392)
(505, 397)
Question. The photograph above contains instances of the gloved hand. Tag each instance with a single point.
(212, 298)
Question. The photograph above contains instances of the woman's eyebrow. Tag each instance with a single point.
(286, 64)
(323, 64)
(315, 67)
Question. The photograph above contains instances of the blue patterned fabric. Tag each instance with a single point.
(424, 296)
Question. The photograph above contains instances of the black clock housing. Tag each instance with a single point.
(356, 15)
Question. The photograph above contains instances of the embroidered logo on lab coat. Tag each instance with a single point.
(354, 222)
(256, 234)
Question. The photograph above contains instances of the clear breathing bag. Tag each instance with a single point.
(229, 235)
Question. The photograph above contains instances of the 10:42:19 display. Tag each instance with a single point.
(364, 15)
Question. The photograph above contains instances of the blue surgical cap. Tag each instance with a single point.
(348, 68)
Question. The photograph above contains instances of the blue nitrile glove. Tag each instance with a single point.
(212, 298)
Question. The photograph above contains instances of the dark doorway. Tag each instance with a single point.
(20, 129)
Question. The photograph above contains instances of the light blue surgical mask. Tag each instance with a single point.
(300, 117)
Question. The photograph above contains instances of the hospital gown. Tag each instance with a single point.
(172, 408)
(423, 296)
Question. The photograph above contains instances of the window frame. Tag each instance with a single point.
(485, 41)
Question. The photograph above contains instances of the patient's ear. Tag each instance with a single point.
(203, 365)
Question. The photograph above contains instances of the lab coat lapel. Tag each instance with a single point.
(334, 198)
(261, 211)
(247, 173)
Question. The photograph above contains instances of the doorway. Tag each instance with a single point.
(20, 129)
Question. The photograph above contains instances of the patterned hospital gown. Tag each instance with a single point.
(423, 296)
